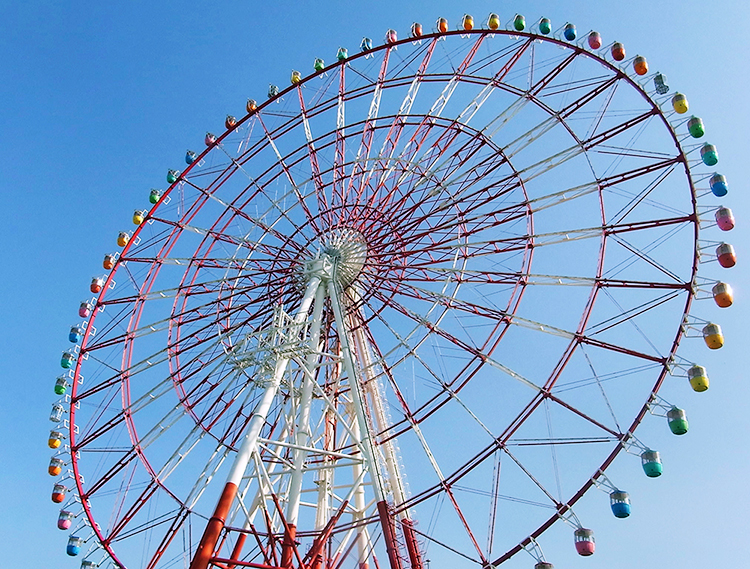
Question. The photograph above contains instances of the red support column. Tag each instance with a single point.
(211, 536)
(412, 546)
(237, 551)
(314, 557)
(389, 533)
(288, 545)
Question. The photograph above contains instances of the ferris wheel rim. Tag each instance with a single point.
(435, 36)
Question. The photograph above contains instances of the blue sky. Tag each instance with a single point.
(99, 100)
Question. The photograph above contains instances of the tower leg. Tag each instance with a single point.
(389, 533)
(215, 525)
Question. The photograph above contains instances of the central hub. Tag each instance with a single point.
(344, 253)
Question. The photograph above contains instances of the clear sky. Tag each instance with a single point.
(97, 100)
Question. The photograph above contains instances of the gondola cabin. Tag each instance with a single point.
(109, 262)
(709, 155)
(123, 238)
(74, 545)
(651, 463)
(61, 385)
(64, 519)
(618, 51)
(726, 256)
(319, 65)
(723, 295)
(519, 23)
(698, 377)
(640, 65)
(190, 157)
(55, 439)
(173, 176)
(493, 22)
(545, 26)
(442, 25)
(569, 32)
(154, 196)
(85, 308)
(416, 30)
(251, 105)
(595, 40)
(296, 77)
(76, 334)
(139, 216)
(619, 501)
(584, 541)
(342, 54)
(366, 44)
(85, 564)
(660, 84)
(55, 466)
(391, 36)
(724, 218)
(680, 104)
(97, 283)
(67, 359)
(467, 23)
(719, 187)
(712, 336)
(57, 413)
(210, 139)
(58, 493)
(544, 565)
(677, 421)
(273, 90)
(696, 127)
(230, 122)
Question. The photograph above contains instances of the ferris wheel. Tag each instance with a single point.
(417, 301)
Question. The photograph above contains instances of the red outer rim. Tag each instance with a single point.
(176, 231)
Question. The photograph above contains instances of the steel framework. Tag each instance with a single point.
(462, 259)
